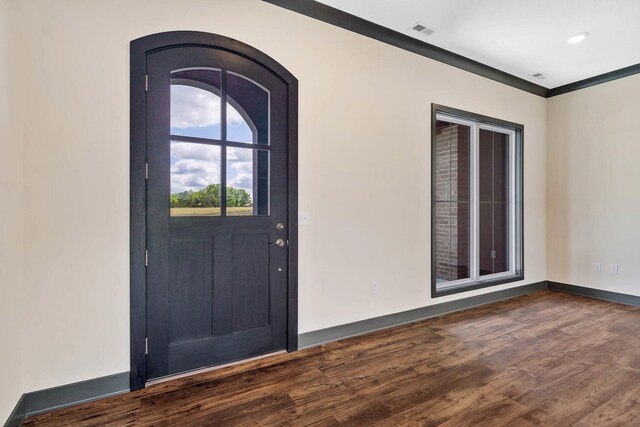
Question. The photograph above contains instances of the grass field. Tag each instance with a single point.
(211, 211)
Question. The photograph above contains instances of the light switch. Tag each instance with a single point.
(304, 218)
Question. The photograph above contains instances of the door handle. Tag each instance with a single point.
(278, 242)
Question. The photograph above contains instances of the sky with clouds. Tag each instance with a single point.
(196, 112)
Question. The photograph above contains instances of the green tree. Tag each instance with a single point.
(237, 197)
(209, 197)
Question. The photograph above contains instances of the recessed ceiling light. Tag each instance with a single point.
(578, 38)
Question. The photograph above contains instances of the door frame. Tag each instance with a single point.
(139, 49)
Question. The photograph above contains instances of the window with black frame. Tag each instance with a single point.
(476, 201)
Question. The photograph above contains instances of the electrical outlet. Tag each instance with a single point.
(597, 267)
(613, 269)
(374, 287)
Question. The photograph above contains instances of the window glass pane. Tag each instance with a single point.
(501, 237)
(452, 161)
(247, 182)
(452, 241)
(195, 179)
(195, 103)
(501, 202)
(493, 168)
(485, 166)
(501, 167)
(247, 111)
(453, 210)
(485, 229)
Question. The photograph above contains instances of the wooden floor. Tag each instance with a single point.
(548, 358)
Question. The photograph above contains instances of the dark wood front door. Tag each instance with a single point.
(217, 209)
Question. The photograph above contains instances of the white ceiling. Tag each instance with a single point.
(517, 36)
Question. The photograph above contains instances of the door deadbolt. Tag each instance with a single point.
(280, 226)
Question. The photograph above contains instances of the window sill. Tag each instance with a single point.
(435, 293)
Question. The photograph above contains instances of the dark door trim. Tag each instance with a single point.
(140, 48)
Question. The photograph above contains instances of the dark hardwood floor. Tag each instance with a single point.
(547, 358)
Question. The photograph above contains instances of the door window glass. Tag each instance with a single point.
(247, 111)
(247, 182)
(195, 103)
(195, 179)
(207, 153)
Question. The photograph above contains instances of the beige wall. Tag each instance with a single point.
(11, 284)
(364, 169)
(593, 186)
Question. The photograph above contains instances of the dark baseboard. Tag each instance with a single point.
(321, 336)
(72, 394)
(18, 415)
(54, 398)
(595, 293)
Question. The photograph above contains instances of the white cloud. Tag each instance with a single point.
(240, 154)
(235, 117)
(244, 181)
(240, 168)
(194, 107)
(194, 166)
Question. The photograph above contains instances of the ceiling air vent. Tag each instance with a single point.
(422, 29)
(538, 76)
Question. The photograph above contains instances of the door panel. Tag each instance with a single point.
(250, 281)
(217, 189)
(190, 315)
